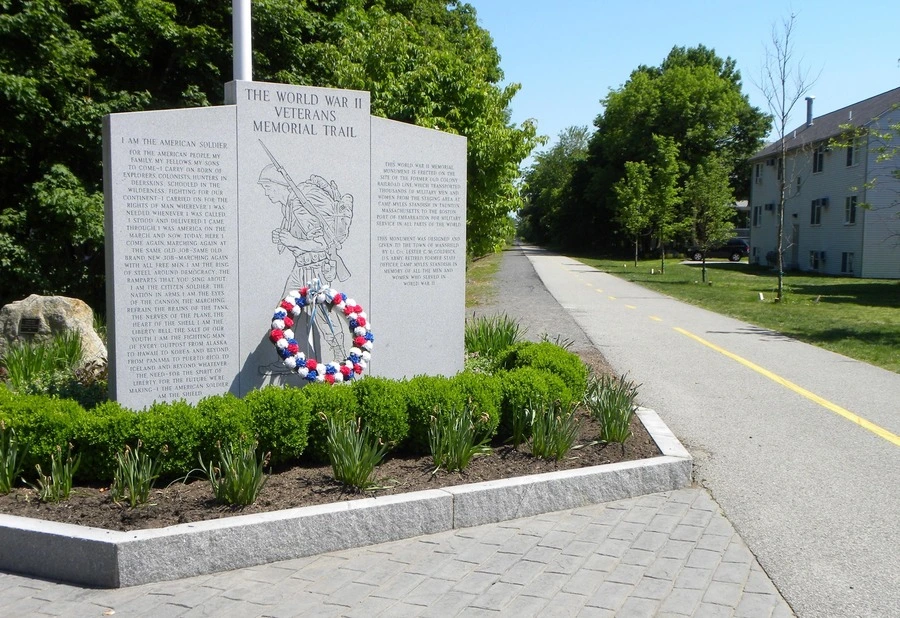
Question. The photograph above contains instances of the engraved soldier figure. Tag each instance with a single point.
(315, 221)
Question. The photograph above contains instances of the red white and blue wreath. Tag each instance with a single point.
(315, 299)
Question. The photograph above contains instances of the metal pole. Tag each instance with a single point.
(243, 61)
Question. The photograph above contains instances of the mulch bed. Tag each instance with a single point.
(303, 485)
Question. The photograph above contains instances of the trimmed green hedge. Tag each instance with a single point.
(289, 422)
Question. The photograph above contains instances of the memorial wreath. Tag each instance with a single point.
(313, 298)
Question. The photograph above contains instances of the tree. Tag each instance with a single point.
(64, 65)
(709, 199)
(695, 98)
(783, 84)
(635, 204)
(665, 170)
(545, 183)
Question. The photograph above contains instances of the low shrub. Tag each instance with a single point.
(326, 402)
(41, 423)
(428, 397)
(100, 434)
(549, 357)
(483, 396)
(174, 426)
(12, 452)
(525, 388)
(280, 420)
(382, 408)
(223, 419)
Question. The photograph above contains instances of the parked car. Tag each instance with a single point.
(734, 250)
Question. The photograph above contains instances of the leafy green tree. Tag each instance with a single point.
(64, 64)
(694, 98)
(709, 199)
(634, 201)
(546, 182)
(665, 170)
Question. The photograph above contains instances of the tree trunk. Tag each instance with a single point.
(703, 269)
(635, 251)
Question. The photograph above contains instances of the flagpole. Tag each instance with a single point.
(243, 61)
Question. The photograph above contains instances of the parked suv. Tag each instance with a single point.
(734, 250)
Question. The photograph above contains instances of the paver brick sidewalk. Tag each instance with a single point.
(669, 554)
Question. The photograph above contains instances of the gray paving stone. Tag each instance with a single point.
(595, 533)
(613, 547)
(664, 568)
(641, 514)
(626, 574)
(541, 554)
(546, 585)
(522, 572)
(498, 596)
(732, 572)
(663, 523)
(429, 590)
(596, 612)
(695, 579)
(497, 563)
(519, 544)
(684, 532)
(697, 517)
(738, 552)
(651, 541)
(638, 557)
(557, 539)
(703, 559)
(398, 586)
(677, 549)
(565, 604)
(722, 593)
(758, 582)
(626, 531)
(714, 542)
(650, 588)
(476, 582)
(598, 562)
(583, 582)
(707, 610)
(579, 548)
(682, 601)
(635, 607)
(754, 605)
(373, 606)
(526, 606)
(565, 564)
(448, 604)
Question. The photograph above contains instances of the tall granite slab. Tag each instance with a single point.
(213, 214)
(303, 187)
(171, 254)
(418, 249)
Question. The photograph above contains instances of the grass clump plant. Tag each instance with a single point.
(239, 474)
(134, 476)
(354, 453)
(57, 486)
(11, 458)
(611, 402)
(454, 440)
(487, 336)
(28, 363)
(554, 429)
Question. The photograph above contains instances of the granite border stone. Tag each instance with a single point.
(112, 559)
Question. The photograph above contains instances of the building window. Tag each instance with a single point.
(847, 262)
(814, 260)
(756, 212)
(758, 173)
(852, 153)
(780, 168)
(815, 216)
(850, 210)
(818, 159)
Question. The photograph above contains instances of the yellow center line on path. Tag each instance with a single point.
(611, 297)
(850, 416)
(656, 319)
(631, 306)
(599, 290)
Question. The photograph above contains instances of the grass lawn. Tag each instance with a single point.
(480, 274)
(859, 318)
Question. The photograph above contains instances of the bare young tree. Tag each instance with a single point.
(783, 83)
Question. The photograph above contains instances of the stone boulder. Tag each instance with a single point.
(40, 318)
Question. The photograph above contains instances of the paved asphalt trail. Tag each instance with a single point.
(815, 496)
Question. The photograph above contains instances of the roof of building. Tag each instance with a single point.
(858, 115)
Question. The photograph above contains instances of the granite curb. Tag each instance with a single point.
(112, 559)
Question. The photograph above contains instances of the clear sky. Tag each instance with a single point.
(568, 54)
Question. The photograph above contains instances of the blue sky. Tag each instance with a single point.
(568, 54)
